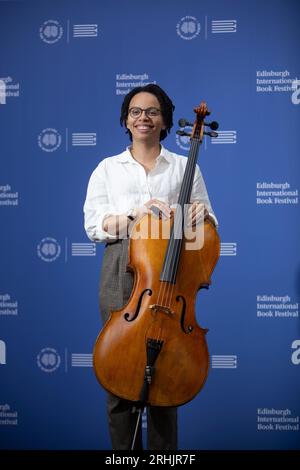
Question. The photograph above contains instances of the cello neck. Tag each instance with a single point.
(188, 177)
(172, 255)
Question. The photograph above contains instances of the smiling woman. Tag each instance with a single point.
(160, 101)
(144, 120)
(145, 178)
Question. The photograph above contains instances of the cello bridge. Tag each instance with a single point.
(161, 308)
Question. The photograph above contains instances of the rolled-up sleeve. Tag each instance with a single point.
(199, 193)
(97, 206)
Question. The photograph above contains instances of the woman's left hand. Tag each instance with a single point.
(197, 212)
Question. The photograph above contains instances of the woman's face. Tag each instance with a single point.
(145, 128)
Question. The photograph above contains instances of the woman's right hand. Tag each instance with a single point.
(162, 207)
(117, 225)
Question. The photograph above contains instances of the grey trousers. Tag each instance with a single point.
(115, 289)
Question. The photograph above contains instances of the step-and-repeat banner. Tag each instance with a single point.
(65, 67)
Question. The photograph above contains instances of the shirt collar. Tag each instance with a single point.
(126, 156)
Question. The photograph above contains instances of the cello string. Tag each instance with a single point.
(186, 198)
(184, 209)
(187, 187)
(174, 248)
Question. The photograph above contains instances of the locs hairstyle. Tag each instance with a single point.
(166, 105)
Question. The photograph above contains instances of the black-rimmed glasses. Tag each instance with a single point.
(136, 112)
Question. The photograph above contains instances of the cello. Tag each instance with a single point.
(152, 350)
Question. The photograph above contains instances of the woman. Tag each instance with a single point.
(144, 178)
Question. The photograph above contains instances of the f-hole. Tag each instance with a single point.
(138, 307)
(189, 329)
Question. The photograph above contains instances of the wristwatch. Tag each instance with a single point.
(131, 214)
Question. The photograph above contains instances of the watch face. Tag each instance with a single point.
(130, 214)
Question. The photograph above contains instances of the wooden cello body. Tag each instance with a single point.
(153, 350)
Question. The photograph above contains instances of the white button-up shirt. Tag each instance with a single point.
(120, 183)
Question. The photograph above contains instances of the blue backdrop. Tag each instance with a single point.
(65, 67)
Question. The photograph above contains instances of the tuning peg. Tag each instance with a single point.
(214, 125)
(182, 133)
(183, 122)
(211, 134)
